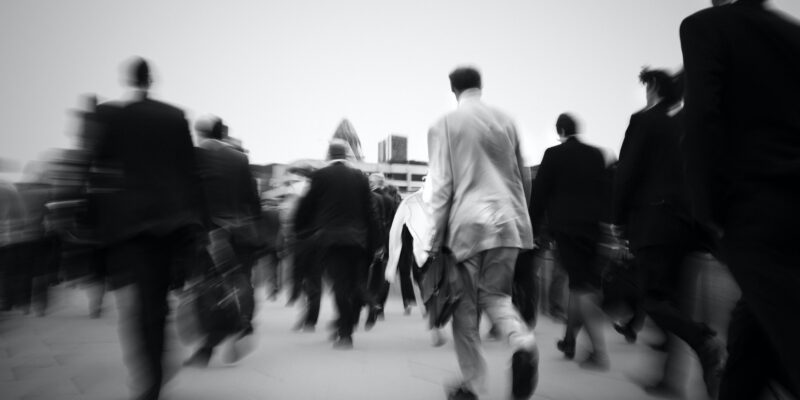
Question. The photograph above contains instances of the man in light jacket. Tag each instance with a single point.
(480, 214)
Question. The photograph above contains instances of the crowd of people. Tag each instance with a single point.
(711, 164)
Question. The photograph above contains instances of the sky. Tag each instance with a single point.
(283, 74)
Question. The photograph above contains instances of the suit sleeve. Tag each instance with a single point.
(704, 130)
(629, 169)
(305, 210)
(542, 189)
(440, 174)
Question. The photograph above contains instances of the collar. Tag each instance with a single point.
(469, 95)
(339, 161)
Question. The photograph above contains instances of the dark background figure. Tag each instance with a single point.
(233, 206)
(743, 143)
(651, 204)
(378, 286)
(569, 176)
(337, 212)
(152, 221)
(12, 214)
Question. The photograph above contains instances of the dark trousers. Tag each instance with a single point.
(345, 266)
(307, 278)
(578, 255)
(378, 286)
(151, 262)
(526, 287)
(761, 253)
(661, 265)
(408, 269)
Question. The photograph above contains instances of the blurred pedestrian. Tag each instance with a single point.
(480, 215)
(743, 142)
(566, 189)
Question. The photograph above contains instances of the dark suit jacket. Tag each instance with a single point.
(158, 190)
(742, 112)
(338, 209)
(649, 191)
(568, 188)
(231, 192)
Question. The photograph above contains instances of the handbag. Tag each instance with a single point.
(441, 289)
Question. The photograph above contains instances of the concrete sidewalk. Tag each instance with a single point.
(66, 355)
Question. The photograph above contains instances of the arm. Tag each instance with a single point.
(628, 175)
(542, 190)
(704, 127)
(440, 176)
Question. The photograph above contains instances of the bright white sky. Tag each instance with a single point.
(283, 74)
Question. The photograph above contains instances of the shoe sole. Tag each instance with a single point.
(524, 373)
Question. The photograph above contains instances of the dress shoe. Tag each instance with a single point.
(343, 343)
(627, 331)
(199, 359)
(568, 348)
(596, 361)
(461, 393)
(372, 316)
(524, 373)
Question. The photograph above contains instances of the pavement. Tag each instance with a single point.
(66, 355)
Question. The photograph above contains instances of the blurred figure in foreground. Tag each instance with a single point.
(650, 204)
(743, 143)
(12, 214)
(233, 207)
(480, 215)
(567, 186)
(336, 213)
(152, 221)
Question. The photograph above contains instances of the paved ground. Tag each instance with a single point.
(66, 355)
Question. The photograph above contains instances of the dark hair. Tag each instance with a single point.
(139, 73)
(464, 78)
(566, 123)
(662, 81)
(212, 128)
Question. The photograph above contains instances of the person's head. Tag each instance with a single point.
(339, 149)
(139, 74)
(464, 78)
(566, 126)
(210, 128)
(659, 85)
(376, 181)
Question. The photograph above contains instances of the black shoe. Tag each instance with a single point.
(407, 310)
(663, 390)
(199, 359)
(372, 316)
(567, 348)
(461, 393)
(627, 331)
(380, 315)
(596, 361)
(712, 356)
(343, 343)
(524, 373)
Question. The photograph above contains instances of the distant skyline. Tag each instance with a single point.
(284, 74)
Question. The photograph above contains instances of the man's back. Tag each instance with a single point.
(160, 189)
(568, 185)
(742, 64)
(476, 169)
(229, 186)
(337, 207)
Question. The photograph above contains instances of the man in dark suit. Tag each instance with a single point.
(743, 143)
(337, 214)
(234, 207)
(650, 203)
(566, 188)
(378, 286)
(151, 220)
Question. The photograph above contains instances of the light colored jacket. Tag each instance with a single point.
(476, 169)
(414, 213)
